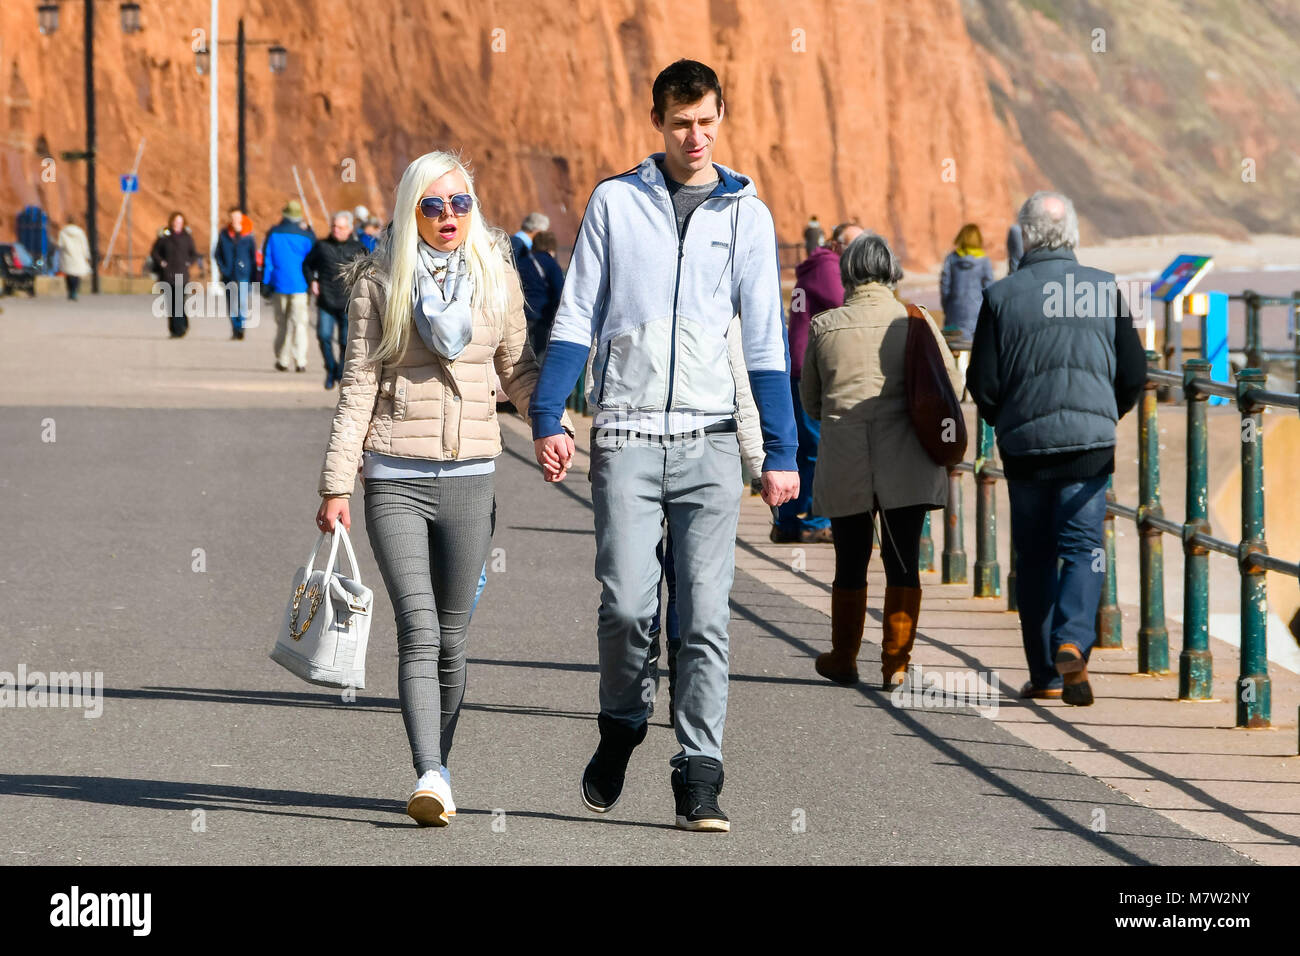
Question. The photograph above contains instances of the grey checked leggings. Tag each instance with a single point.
(430, 537)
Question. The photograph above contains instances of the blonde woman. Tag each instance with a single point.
(432, 311)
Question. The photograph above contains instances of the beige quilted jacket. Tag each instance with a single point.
(421, 405)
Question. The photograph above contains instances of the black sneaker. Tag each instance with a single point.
(696, 789)
(602, 781)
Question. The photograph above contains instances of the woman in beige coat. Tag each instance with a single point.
(870, 461)
(432, 312)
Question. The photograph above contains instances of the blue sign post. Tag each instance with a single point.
(1215, 341)
(130, 185)
(1178, 280)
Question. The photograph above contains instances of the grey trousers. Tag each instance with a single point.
(431, 537)
(697, 485)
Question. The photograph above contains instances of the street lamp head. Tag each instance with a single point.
(130, 17)
(201, 61)
(279, 57)
(47, 18)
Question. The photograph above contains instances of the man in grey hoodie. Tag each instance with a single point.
(667, 253)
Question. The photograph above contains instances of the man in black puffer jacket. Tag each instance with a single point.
(1055, 364)
(323, 266)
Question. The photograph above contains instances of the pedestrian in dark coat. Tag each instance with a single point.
(237, 264)
(1056, 362)
(1015, 247)
(173, 253)
(817, 288)
(543, 281)
(324, 267)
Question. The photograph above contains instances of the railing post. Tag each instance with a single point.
(1195, 665)
(1109, 620)
(925, 559)
(1253, 688)
(578, 397)
(1251, 298)
(954, 545)
(988, 577)
(1153, 636)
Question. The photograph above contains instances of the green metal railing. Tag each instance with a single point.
(1195, 664)
(1256, 355)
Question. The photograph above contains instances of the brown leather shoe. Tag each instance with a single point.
(1072, 667)
(1077, 691)
(1030, 692)
(848, 618)
(902, 608)
(1069, 659)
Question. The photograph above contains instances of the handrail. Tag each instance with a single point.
(1252, 697)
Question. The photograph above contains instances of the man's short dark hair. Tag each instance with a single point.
(686, 81)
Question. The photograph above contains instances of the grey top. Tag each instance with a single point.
(685, 198)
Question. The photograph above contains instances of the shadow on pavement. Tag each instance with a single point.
(174, 795)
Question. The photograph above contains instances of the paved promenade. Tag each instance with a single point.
(154, 540)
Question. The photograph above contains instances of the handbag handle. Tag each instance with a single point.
(339, 533)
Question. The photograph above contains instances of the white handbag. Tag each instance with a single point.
(326, 625)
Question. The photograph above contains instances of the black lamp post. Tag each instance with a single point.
(278, 58)
(47, 18)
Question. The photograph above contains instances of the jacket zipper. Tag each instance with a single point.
(604, 373)
(672, 338)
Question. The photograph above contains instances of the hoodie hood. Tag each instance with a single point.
(731, 184)
(817, 260)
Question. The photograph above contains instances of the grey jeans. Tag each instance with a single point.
(696, 484)
(431, 537)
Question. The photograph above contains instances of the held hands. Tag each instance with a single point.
(780, 487)
(554, 453)
(331, 510)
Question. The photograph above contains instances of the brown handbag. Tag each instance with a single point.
(931, 404)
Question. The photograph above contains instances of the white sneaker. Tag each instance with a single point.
(429, 801)
(451, 804)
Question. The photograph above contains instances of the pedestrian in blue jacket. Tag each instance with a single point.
(965, 275)
(285, 278)
(237, 262)
(667, 253)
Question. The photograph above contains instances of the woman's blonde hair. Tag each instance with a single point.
(396, 254)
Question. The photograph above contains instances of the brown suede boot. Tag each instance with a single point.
(902, 608)
(848, 618)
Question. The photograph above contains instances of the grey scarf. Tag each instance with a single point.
(441, 309)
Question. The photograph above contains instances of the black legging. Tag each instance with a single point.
(900, 546)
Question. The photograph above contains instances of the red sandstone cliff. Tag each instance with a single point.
(886, 110)
(840, 108)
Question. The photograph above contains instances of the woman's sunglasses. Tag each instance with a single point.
(431, 207)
